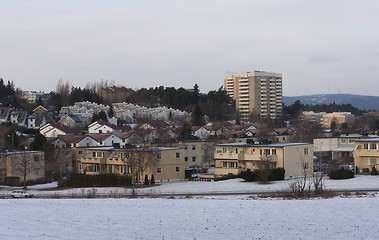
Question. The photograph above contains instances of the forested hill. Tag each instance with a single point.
(358, 101)
(215, 104)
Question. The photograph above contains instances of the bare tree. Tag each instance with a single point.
(265, 165)
(209, 153)
(141, 159)
(25, 163)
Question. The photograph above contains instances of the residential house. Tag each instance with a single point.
(236, 157)
(13, 164)
(71, 141)
(102, 127)
(366, 154)
(339, 148)
(37, 120)
(128, 138)
(54, 129)
(71, 121)
(4, 114)
(163, 163)
(200, 132)
(19, 117)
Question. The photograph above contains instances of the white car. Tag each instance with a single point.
(20, 194)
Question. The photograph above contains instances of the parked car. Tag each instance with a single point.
(20, 194)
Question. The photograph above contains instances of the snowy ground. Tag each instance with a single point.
(338, 218)
(359, 182)
(221, 217)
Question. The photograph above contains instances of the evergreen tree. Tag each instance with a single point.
(146, 180)
(111, 112)
(152, 181)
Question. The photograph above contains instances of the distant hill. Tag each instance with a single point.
(358, 101)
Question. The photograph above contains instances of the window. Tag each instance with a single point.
(306, 165)
(80, 152)
(224, 164)
(306, 151)
(159, 170)
(267, 151)
(232, 165)
(273, 151)
(185, 147)
(194, 159)
(36, 158)
(177, 155)
(159, 155)
(186, 159)
(81, 167)
(351, 141)
(224, 150)
(193, 147)
(177, 169)
(36, 171)
(343, 140)
(365, 146)
(373, 146)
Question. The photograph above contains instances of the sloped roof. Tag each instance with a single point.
(102, 123)
(99, 136)
(124, 135)
(61, 127)
(70, 139)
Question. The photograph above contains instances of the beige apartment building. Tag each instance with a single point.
(338, 117)
(163, 162)
(256, 92)
(237, 157)
(366, 154)
(14, 164)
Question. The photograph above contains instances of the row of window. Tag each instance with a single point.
(371, 146)
(370, 161)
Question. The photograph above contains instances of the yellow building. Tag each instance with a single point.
(13, 165)
(162, 162)
(366, 153)
(237, 157)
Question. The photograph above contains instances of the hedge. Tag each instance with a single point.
(102, 180)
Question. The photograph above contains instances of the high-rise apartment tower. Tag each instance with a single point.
(257, 92)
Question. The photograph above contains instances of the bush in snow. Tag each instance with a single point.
(374, 171)
(341, 173)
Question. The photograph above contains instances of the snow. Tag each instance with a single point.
(339, 218)
(359, 182)
(206, 217)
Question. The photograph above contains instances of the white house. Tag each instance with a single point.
(102, 127)
(53, 129)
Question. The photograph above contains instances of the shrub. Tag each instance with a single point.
(365, 171)
(276, 174)
(102, 180)
(341, 173)
(247, 175)
(374, 171)
(152, 181)
(226, 177)
(146, 182)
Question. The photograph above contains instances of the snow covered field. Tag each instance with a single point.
(359, 182)
(338, 218)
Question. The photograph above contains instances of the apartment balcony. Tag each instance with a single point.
(229, 156)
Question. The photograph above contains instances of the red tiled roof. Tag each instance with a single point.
(124, 135)
(99, 136)
(71, 138)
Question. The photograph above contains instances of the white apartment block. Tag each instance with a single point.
(257, 93)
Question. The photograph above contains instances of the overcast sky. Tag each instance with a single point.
(323, 46)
